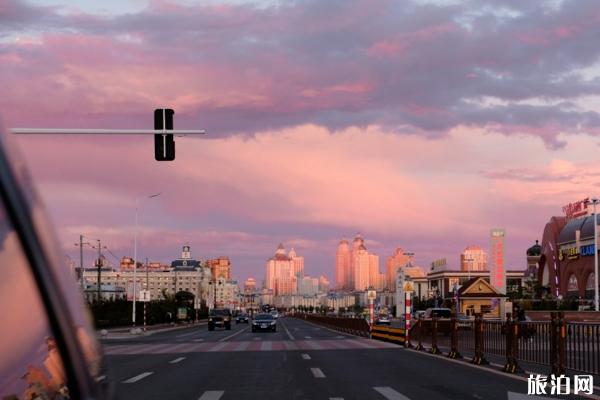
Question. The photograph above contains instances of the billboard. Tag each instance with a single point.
(497, 268)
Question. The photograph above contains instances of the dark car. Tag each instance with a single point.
(242, 318)
(438, 312)
(383, 319)
(264, 322)
(219, 317)
(47, 329)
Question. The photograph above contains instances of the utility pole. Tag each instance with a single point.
(99, 265)
(81, 263)
(147, 291)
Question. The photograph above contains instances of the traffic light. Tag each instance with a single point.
(164, 144)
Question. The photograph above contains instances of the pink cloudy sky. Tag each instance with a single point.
(420, 124)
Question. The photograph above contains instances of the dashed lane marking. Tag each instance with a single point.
(307, 337)
(305, 356)
(138, 377)
(389, 393)
(198, 340)
(175, 361)
(212, 395)
(317, 373)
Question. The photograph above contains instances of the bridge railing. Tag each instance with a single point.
(354, 326)
(559, 344)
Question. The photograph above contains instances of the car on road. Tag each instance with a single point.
(275, 314)
(383, 319)
(219, 317)
(264, 322)
(242, 318)
(438, 312)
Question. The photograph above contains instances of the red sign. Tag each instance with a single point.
(577, 209)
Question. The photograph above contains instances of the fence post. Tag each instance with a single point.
(434, 348)
(554, 343)
(420, 330)
(454, 353)
(512, 340)
(479, 358)
(561, 343)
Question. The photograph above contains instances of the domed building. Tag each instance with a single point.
(566, 257)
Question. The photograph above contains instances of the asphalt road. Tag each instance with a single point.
(299, 361)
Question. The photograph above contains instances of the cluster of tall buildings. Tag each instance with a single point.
(356, 268)
(285, 275)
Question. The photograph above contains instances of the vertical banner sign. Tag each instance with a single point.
(400, 278)
(407, 318)
(497, 269)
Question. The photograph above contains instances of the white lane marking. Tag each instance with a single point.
(288, 332)
(305, 356)
(266, 346)
(175, 361)
(336, 398)
(242, 346)
(317, 373)
(340, 337)
(307, 337)
(232, 335)
(188, 334)
(198, 340)
(100, 378)
(317, 329)
(212, 395)
(138, 377)
(218, 347)
(314, 345)
(289, 345)
(390, 393)
(257, 338)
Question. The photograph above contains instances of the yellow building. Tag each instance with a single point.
(477, 296)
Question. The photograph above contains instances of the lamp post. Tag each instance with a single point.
(596, 305)
(137, 200)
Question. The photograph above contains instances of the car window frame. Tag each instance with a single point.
(18, 212)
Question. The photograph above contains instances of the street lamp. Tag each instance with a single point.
(137, 200)
(596, 305)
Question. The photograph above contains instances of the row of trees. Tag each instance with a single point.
(119, 312)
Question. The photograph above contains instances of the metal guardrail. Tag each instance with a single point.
(556, 343)
(354, 326)
(559, 344)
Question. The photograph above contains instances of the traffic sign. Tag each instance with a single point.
(196, 303)
(144, 295)
(164, 144)
(408, 287)
(371, 294)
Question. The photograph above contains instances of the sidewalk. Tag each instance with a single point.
(124, 332)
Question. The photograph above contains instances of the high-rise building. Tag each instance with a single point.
(342, 265)
(355, 268)
(220, 267)
(473, 258)
(399, 259)
(282, 271)
(323, 284)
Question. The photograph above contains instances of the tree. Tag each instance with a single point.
(183, 297)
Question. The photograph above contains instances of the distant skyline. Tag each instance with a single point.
(421, 124)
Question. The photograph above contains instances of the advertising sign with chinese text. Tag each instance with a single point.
(497, 268)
